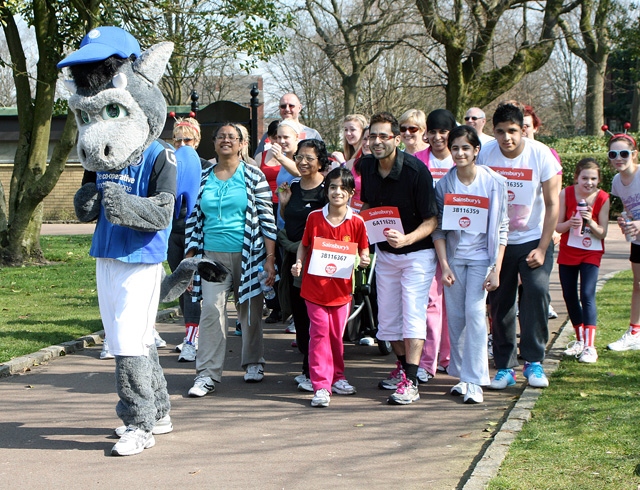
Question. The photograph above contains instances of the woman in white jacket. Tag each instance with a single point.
(470, 241)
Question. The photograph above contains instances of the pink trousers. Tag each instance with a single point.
(437, 346)
(326, 351)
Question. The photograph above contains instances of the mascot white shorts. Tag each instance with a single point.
(128, 296)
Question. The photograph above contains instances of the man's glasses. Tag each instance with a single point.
(624, 154)
(382, 136)
(182, 140)
(306, 158)
(411, 129)
(284, 106)
(472, 118)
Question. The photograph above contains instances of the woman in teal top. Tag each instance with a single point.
(232, 224)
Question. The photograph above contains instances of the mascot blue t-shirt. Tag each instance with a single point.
(154, 172)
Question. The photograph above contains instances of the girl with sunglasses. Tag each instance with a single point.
(623, 156)
(583, 228)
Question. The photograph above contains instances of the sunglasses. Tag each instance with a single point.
(624, 154)
(472, 118)
(411, 129)
(183, 140)
(284, 106)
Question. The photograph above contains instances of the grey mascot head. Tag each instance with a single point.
(116, 101)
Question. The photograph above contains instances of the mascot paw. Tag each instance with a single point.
(177, 283)
(113, 197)
(86, 202)
(212, 271)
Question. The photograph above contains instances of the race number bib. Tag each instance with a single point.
(380, 220)
(465, 212)
(356, 205)
(332, 258)
(437, 174)
(585, 242)
(519, 184)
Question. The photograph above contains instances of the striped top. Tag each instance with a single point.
(259, 223)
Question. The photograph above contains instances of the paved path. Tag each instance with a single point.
(57, 420)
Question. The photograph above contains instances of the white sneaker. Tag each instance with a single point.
(627, 342)
(574, 348)
(459, 389)
(342, 387)
(321, 398)
(367, 341)
(394, 378)
(552, 313)
(254, 374)
(300, 378)
(105, 353)
(589, 355)
(202, 386)
(188, 353)
(163, 426)
(133, 441)
(305, 386)
(160, 343)
(424, 376)
(179, 346)
(534, 372)
(291, 328)
(405, 394)
(474, 394)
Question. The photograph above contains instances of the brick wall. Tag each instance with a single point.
(59, 204)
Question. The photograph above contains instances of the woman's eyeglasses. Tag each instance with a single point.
(624, 154)
(182, 140)
(306, 158)
(411, 129)
(230, 137)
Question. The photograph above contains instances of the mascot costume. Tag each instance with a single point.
(130, 187)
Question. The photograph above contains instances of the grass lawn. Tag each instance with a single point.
(584, 432)
(43, 305)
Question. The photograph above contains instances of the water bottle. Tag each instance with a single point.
(267, 291)
(625, 217)
(582, 206)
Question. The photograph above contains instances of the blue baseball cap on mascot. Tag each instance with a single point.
(100, 43)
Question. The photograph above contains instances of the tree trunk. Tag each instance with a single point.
(350, 86)
(595, 96)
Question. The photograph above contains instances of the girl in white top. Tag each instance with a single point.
(623, 156)
(470, 240)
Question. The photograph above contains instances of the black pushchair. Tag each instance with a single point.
(363, 321)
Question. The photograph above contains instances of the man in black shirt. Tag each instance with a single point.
(406, 261)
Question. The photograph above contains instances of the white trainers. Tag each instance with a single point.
(321, 398)
(163, 426)
(106, 353)
(405, 394)
(459, 389)
(627, 342)
(552, 313)
(202, 386)
(395, 377)
(254, 374)
(188, 352)
(473, 394)
(366, 340)
(305, 386)
(160, 342)
(589, 355)
(424, 376)
(291, 328)
(300, 378)
(502, 379)
(342, 387)
(534, 372)
(133, 441)
(574, 348)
